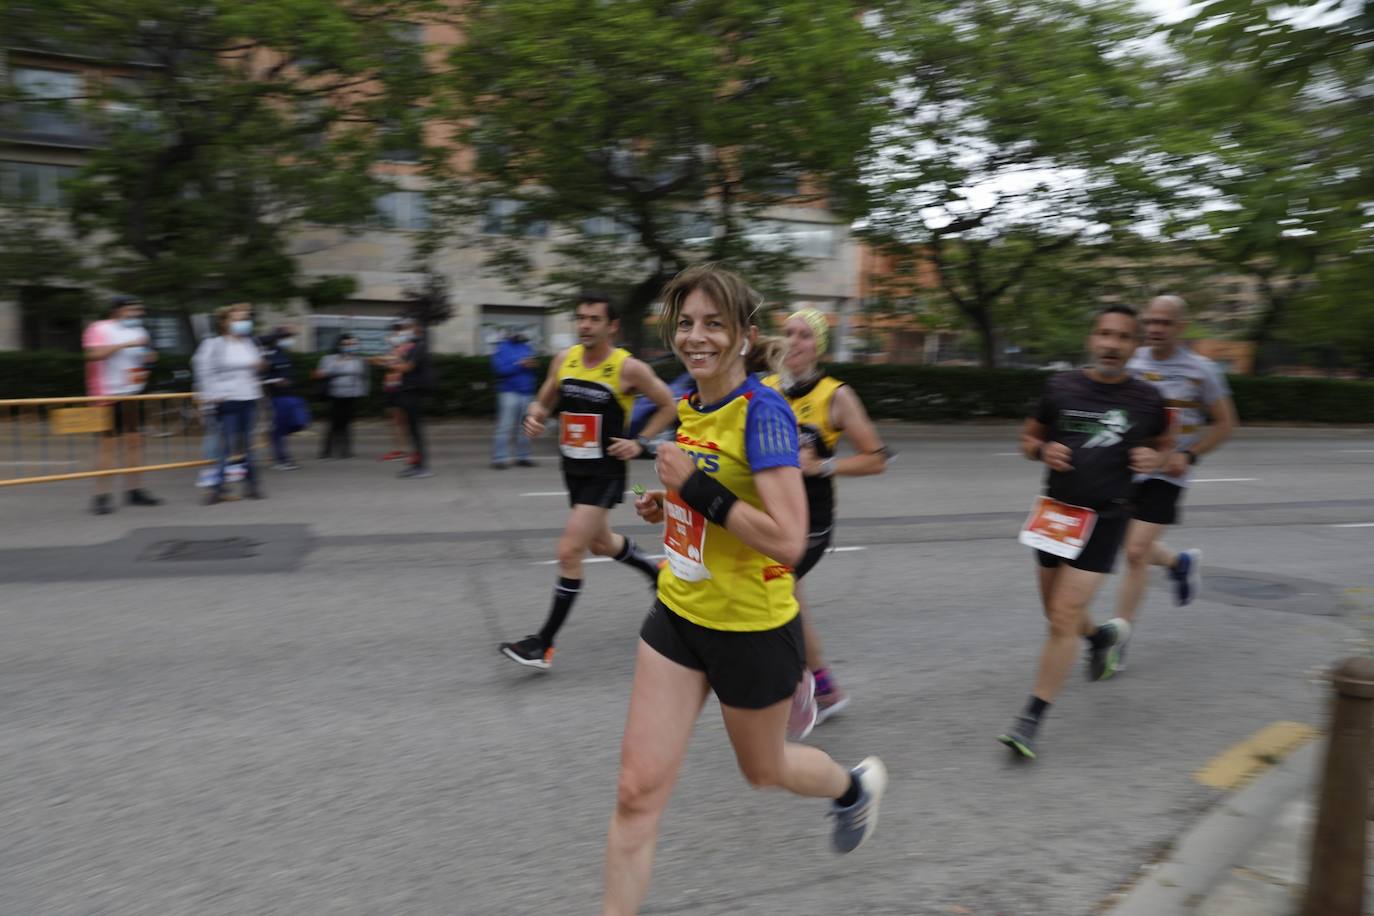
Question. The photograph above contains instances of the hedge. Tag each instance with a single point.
(919, 393)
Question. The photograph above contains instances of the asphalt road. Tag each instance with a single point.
(326, 728)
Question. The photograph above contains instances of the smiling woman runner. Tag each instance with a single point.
(726, 618)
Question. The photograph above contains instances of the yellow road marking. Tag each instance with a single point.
(1241, 763)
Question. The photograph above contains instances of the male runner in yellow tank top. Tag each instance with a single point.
(592, 385)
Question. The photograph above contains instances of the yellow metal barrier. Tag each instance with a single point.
(50, 433)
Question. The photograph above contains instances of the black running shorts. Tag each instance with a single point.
(125, 417)
(746, 670)
(817, 543)
(1099, 554)
(605, 492)
(1156, 501)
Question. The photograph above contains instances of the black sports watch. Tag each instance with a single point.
(1192, 456)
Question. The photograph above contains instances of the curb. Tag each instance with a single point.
(1221, 841)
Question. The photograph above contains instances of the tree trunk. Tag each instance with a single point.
(636, 308)
(987, 335)
(1267, 325)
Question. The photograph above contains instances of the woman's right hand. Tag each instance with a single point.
(649, 505)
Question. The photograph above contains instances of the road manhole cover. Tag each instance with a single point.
(212, 549)
(1242, 588)
(1246, 587)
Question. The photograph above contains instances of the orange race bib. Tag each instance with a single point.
(684, 539)
(1058, 528)
(579, 435)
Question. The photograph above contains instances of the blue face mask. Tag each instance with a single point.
(241, 328)
(131, 322)
(404, 337)
(350, 348)
(286, 343)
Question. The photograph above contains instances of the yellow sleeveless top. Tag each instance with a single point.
(712, 578)
(592, 410)
(813, 412)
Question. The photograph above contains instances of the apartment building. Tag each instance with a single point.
(42, 146)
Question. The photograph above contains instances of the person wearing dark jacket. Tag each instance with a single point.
(287, 407)
(345, 375)
(513, 364)
(412, 360)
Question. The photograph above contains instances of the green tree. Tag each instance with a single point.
(246, 118)
(1027, 133)
(1281, 100)
(650, 134)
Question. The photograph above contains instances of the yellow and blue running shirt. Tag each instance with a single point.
(593, 410)
(712, 578)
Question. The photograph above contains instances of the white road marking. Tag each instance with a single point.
(1224, 479)
(1355, 525)
(1005, 454)
(1356, 451)
(562, 493)
(845, 549)
(647, 556)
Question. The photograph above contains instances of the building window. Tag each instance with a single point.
(503, 218)
(36, 183)
(806, 240)
(49, 101)
(403, 210)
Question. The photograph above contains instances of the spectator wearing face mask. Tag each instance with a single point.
(228, 371)
(289, 411)
(345, 375)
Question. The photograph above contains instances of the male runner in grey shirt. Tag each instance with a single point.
(1203, 417)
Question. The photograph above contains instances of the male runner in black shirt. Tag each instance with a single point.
(1094, 428)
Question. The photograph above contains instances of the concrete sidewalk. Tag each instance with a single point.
(1248, 857)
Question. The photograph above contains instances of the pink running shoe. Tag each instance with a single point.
(803, 715)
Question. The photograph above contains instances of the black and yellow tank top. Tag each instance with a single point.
(592, 410)
(812, 402)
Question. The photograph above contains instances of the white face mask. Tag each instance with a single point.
(286, 343)
(241, 328)
(132, 322)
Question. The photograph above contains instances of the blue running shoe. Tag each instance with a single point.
(856, 823)
(1187, 576)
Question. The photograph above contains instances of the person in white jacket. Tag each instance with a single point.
(227, 369)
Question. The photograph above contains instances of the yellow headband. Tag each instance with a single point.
(820, 327)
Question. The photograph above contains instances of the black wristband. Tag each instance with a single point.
(1039, 452)
(1192, 456)
(708, 496)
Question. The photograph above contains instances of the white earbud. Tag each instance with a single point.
(744, 350)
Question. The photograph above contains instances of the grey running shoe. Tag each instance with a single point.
(856, 823)
(1105, 659)
(1021, 736)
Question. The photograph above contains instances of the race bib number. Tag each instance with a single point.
(580, 435)
(684, 539)
(1058, 528)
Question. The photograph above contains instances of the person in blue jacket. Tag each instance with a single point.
(514, 365)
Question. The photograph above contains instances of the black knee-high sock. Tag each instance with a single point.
(564, 594)
(631, 555)
(1036, 708)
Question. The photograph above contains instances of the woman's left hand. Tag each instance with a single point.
(810, 462)
(674, 467)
